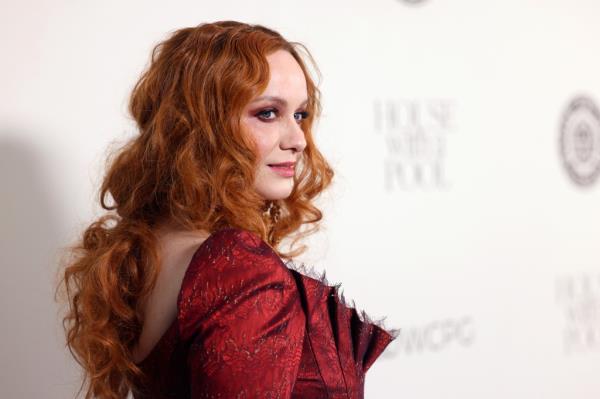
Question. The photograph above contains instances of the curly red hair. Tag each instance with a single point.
(190, 165)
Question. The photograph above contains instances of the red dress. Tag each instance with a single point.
(249, 326)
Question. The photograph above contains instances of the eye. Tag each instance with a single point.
(267, 114)
(300, 116)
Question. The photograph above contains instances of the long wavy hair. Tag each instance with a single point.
(190, 165)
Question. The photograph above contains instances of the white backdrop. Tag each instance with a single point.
(452, 211)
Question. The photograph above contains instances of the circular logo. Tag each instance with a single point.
(580, 141)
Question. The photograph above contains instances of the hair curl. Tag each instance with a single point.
(190, 165)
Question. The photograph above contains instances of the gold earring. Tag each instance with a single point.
(272, 211)
(275, 213)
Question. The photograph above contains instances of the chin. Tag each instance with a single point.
(273, 192)
(272, 187)
(271, 196)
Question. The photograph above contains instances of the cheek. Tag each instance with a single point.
(265, 140)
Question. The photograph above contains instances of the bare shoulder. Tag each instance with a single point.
(176, 250)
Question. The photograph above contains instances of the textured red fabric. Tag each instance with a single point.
(251, 326)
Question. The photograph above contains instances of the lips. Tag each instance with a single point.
(285, 169)
(283, 164)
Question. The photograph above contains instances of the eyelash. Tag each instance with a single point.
(260, 115)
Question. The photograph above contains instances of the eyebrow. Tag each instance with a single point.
(276, 99)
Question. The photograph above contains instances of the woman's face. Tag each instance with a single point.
(273, 121)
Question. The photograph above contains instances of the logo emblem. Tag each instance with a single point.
(580, 141)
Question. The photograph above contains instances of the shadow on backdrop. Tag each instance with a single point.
(33, 358)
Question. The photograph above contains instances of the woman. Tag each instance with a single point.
(182, 292)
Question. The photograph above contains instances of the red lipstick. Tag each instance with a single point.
(285, 169)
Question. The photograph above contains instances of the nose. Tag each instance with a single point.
(293, 137)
